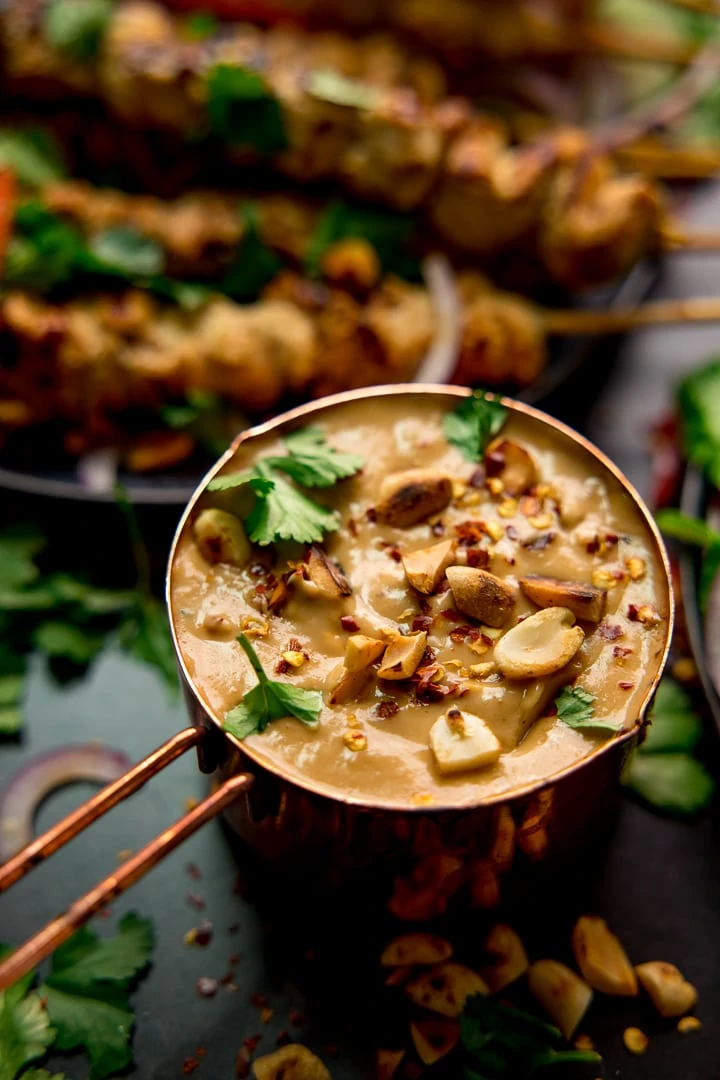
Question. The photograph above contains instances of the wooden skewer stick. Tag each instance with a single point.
(671, 162)
(661, 313)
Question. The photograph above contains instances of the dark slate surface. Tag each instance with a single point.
(657, 881)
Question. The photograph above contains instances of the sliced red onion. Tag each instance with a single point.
(98, 470)
(34, 781)
(441, 358)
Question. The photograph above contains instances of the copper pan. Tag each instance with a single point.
(429, 853)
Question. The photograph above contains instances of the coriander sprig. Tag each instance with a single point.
(270, 700)
(474, 422)
(576, 708)
(280, 510)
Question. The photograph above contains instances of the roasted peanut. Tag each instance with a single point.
(416, 949)
(462, 741)
(445, 988)
(585, 601)
(481, 595)
(668, 989)
(426, 567)
(412, 496)
(601, 958)
(221, 538)
(508, 958)
(512, 464)
(291, 1062)
(402, 656)
(539, 645)
(562, 993)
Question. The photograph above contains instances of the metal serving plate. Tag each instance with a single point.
(174, 488)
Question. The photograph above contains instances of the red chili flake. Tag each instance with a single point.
(511, 532)
(297, 1019)
(395, 554)
(294, 645)
(251, 1043)
(348, 622)
(539, 543)
(611, 538)
(204, 933)
(552, 711)
(228, 982)
(632, 612)
(282, 667)
(193, 871)
(478, 557)
(421, 622)
(206, 987)
(593, 546)
(478, 477)
(619, 652)
(626, 685)
(459, 634)
(352, 527)
(190, 1065)
(242, 1064)
(235, 959)
(470, 532)
(371, 514)
(425, 605)
(529, 505)
(195, 901)
(284, 1038)
(438, 529)
(610, 631)
(259, 1001)
(200, 1051)
(451, 614)
(387, 708)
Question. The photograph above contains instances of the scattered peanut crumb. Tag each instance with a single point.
(423, 798)
(293, 658)
(584, 1042)
(494, 485)
(266, 1015)
(494, 530)
(508, 508)
(607, 579)
(355, 740)
(189, 938)
(636, 1041)
(645, 614)
(541, 521)
(636, 567)
(688, 1024)
(190, 804)
(459, 487)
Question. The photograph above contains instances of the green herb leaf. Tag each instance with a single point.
(42, 1074)
(123, 249)
(146, 635)
(474, 422)
(312, 462)
(33, 155)
(576, 708)
(675, 727)
(86, 958)
(270, 700)
(243, 110)
(86, 992)
(200, 25)
(261, 485)
(691, 530)
(77, 27)
(551, 1058)
(18, 548)
(65, 641)
(254, 264)
(44, 251)
(327, 85)
(390, 234)
(699, 401)
(673, 783)
(284, 513)
(25, 1031)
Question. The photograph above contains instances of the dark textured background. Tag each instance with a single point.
(657, 883)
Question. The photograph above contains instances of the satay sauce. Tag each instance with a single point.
(572, 521)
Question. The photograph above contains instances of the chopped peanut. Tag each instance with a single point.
(562, 993)
(688, 1024)
(417, 948)
(508, 508)
(494, 530)
(636, 567)
(445, 988)
(355, 740)
(291, 1062)
(541, 521)
(668, 989)
(607, 579)
(601, 958)
(294, 658)
(509, 959)
(494, 485)
(646, 615)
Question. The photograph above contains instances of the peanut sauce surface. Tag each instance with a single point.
(594, 526)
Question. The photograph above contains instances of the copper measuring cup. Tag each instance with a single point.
(286, 817)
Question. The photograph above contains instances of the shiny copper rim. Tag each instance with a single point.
(439, 390)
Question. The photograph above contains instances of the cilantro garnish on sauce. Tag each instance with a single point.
(576, 708)
(270, 700)
(281, 511)
(474, 422)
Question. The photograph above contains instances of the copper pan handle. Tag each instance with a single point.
(45, 941)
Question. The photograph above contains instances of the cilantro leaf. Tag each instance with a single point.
(25, 1031)
(33, 155)
(261, 485)
(328, 85)
(284, 513)
(474, 422)
(124, 249)
(693, 531)
(675, 727)
(44, 251)
(390, 234)
(100, 1021)
(575, 707)
(254, 264)
(85, 957)
(312, 462)
(243, 110)
(76, 27)
(18, 548)
(270, 700)
(64, 641)
(86, 992)
(698, 398)
(145, 634)
(674, 783)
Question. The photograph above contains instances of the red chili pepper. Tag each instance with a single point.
(7, 202)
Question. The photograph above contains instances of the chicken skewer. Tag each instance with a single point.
(557, 200)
